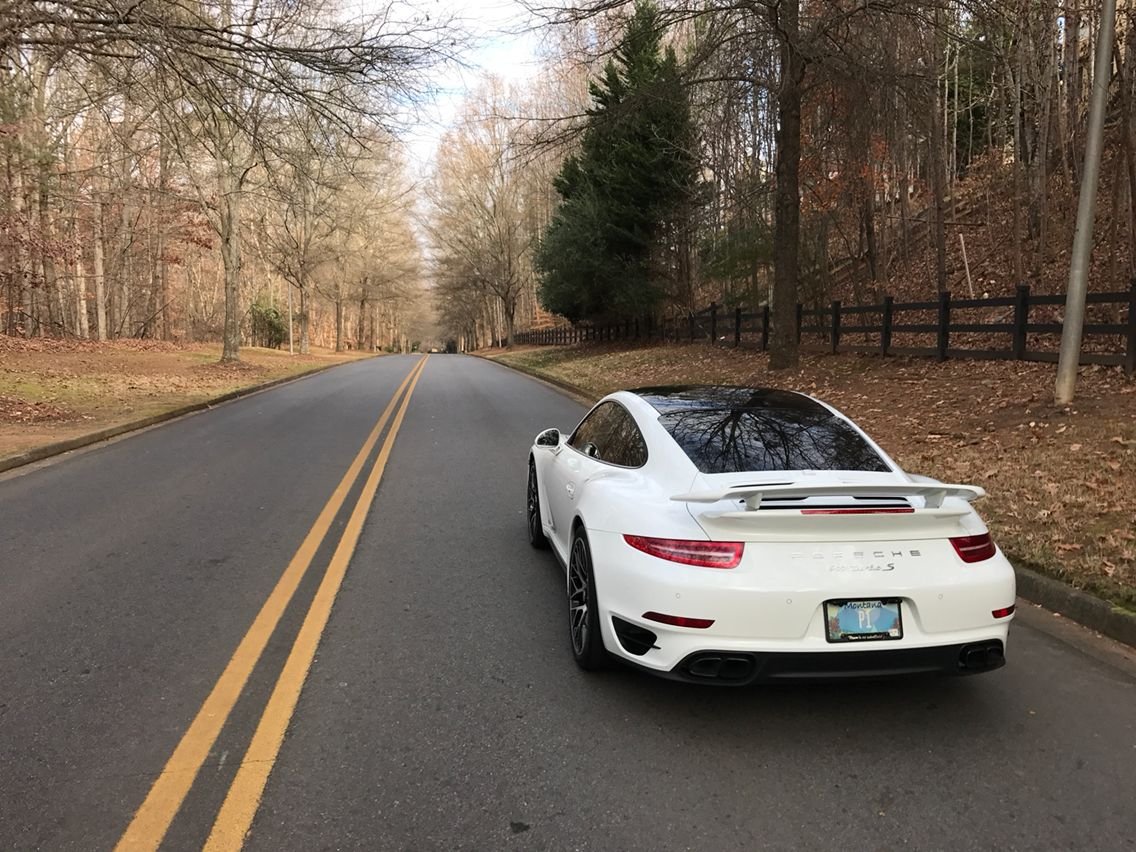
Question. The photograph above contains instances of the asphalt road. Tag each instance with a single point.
(443, 710)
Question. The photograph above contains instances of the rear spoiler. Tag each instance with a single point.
(933, 495)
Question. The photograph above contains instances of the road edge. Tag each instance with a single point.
(576, 391)
(1086, 609)
(80, 441)
(1080, 606)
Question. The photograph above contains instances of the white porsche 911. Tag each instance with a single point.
(728, 535)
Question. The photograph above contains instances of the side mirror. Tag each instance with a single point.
(548, 438)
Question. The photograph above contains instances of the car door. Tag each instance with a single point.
(570, 468)
(606, 436)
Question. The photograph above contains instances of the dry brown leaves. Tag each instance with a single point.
(22, 411)
(69, 344)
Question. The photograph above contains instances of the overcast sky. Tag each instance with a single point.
(499, 46)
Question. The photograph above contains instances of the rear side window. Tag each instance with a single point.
(740, 439)
(609, 434)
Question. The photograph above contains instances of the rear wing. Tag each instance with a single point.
(933, 495)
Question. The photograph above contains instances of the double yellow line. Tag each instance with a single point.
(153, 818)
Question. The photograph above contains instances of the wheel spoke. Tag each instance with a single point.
(578, 596)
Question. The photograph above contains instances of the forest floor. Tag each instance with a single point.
(54, 390)
(1061, 480)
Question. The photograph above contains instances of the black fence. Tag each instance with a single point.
(943, 328)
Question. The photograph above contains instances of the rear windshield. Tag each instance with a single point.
(737, 440)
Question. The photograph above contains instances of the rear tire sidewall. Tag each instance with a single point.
(532, 510)
(586, 644)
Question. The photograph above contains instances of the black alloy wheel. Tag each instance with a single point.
(583, 614)
(536, 534)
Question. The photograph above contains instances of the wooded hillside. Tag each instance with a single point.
(940, 147)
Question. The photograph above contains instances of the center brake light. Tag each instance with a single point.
(974, 548)
(703, 554)
(874, 510)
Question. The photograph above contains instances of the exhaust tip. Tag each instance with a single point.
(731, 668)
(982, 656)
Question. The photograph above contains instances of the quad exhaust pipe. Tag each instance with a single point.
(981, 656)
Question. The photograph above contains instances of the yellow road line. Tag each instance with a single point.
(241, 803)
(153, 818)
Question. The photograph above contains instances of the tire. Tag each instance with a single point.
(532, 511)
(583, 613)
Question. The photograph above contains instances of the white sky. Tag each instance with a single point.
(499, 46)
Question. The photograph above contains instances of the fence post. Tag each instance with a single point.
(737, 327)
(1021, 318)
(714, 323)
(764, 327)
(885, 332)
(800, 320)
(690, 319)
(1130, 349)
(944, 324)
(835, 325)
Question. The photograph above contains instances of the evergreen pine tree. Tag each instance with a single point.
(604, 253)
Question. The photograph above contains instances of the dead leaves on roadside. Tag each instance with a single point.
(22, 411)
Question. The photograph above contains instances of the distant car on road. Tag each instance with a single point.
(729, 535)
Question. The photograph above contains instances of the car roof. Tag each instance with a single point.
(668, 399)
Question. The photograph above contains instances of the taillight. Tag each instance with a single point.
(1004, 612)
(973, 548)
(704, 554)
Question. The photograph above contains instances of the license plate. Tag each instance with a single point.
(862, 621)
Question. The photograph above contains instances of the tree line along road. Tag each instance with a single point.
(309, 619)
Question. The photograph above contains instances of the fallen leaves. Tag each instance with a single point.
(23, 411)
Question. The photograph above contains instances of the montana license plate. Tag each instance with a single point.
(862, 621)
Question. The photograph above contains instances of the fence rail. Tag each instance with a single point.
(944, 328)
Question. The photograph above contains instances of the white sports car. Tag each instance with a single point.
(728, 535)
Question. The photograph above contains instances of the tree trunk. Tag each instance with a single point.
(339, 315)
(1072, 88)
(100, 275)
(1019, 173)
(81, 297)
(158, 283)
(52, 289)
(305, 334)
(1128, 130)
(936, 165)
(231, 257)
(787, 216)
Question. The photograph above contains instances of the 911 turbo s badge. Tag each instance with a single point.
(859, 560)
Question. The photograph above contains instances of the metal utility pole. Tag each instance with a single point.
(1073, 327)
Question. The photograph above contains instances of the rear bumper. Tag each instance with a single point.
(772, 608)
(731, 668)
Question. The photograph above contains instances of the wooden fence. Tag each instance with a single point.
(943, 328)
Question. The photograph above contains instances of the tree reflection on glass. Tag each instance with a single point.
(761, 438)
